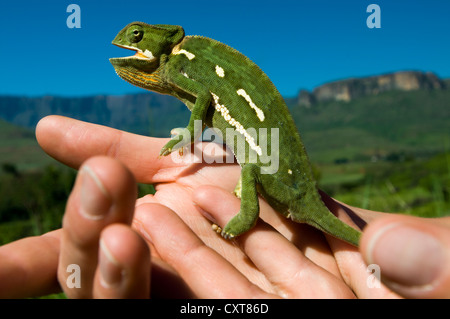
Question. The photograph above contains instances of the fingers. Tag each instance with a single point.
(104, 194)
(72, 142)
(207, 273)
(28, 266)
(124, 270)
(293, 274)
(412, 253)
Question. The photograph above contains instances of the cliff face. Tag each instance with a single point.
(349, 89)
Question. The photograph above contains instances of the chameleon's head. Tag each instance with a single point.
(149, 42)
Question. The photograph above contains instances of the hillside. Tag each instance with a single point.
(376, 126)
(18, 146)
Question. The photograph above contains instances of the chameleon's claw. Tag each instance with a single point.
(222, 232)
(227, 235)
(165, 151)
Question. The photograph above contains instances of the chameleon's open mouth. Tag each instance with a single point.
(143, 55)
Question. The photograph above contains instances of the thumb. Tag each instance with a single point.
(413, 254)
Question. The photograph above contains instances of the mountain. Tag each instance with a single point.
(372, 127)
(146, 113)
(350, 89)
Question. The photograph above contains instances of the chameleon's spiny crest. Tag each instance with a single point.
(226, 90)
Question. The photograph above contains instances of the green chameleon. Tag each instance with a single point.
(228, 92)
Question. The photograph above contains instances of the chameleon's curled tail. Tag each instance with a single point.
(324, 220)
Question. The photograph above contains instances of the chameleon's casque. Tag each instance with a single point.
(226, 90)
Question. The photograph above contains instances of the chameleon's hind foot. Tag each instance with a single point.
(238, 225)
(216, 228)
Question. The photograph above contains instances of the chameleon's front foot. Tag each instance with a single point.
(177, 141)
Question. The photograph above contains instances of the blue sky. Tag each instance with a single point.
(299, 44)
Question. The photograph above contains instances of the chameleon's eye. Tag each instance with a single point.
(135, 34)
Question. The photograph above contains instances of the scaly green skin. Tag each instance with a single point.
(224, 89)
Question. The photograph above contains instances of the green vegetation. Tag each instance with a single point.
(413, 123)
(419, 187)
(18, 145)
(32, 203)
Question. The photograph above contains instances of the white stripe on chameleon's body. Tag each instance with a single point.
(238, 126)
(247, 97)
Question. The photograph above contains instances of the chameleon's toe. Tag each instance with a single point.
(226, 235)
(171, 146)
(222, 232)
(228, 232)
(216, 228)
(165, 151)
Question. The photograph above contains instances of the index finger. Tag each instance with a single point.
(72, 142)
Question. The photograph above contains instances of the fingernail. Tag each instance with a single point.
(111, 273)
(95, 200)
(139, 226)
(205, 214)
(407, 256)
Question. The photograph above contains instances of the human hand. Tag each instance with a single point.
(186, 234)
(30, 265)
(321, 258)
(72, 142)
(112, 260)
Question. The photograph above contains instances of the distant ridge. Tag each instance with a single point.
(145, 113)
(349, 89)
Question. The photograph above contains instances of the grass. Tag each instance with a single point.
(19, 146)
(419, 187)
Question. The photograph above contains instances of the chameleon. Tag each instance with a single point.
(226, 91)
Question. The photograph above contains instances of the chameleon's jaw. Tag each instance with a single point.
(142, 55)
(138, 69)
